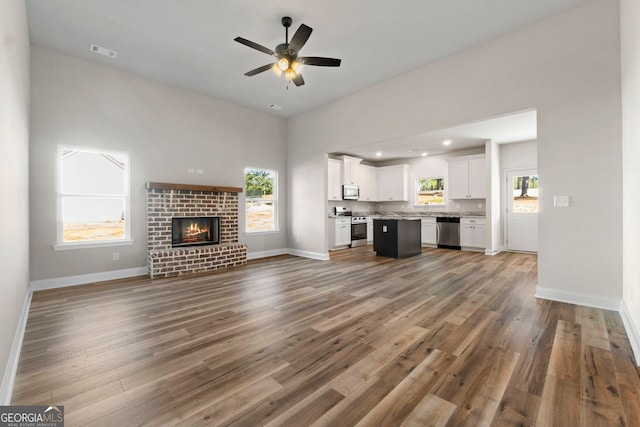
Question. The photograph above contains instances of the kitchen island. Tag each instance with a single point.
(396, 237)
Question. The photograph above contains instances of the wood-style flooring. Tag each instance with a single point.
(444, 338)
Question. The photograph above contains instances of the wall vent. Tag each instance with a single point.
(103, 51)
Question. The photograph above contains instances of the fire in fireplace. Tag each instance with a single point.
(193, 231)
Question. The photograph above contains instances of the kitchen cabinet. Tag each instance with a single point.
(340, 232)
(467, 178)
(334, 178)
(350, 170)
(472, 233)
(369, 230)
(393, 183)
(368, 183)
(428, 235)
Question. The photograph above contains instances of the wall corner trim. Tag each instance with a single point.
(578, 299)
(632, 331)
(9, 376)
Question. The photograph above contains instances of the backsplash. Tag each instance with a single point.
(476, 206)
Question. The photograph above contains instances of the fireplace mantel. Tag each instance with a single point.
(192, 187)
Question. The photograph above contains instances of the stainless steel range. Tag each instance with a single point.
(358, 231)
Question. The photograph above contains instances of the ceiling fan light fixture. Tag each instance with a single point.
(283, 64)
(276, 70)
(290, 74)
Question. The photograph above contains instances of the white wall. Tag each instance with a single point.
(567, 68)
(14, 178)
(630, 40)
(165, 130)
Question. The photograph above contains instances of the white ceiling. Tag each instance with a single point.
(189, 43)
(517, 127)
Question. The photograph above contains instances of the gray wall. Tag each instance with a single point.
(14, 178)
(567, 68)
(165, 130)
(630, 32)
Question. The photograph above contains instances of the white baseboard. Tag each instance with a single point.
(266, 254)
(632, 331)
(82, 279)
(578, 299)
(9, 376)
(306, 254)
(493, 252)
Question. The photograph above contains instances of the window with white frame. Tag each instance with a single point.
(430, 191)
(93, 197)
(261, 194)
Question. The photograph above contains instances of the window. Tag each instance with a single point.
(93, 198)
(430, 191)
(261, 200)
(525, 194)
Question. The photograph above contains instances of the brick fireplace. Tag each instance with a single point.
(165, 202)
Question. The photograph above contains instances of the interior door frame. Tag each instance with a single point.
(507, 200)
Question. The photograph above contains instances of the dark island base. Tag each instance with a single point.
(396, 238)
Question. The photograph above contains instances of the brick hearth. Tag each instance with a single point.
(165, 201)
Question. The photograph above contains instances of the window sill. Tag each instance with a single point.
(253, 233)
(90, 245)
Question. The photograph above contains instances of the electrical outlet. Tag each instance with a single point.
(191, 170)
(297, 239)
(116, 256)
(199, 171)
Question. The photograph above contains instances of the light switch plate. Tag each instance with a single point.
(560, 201)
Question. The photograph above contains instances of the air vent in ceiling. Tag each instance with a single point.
(103, 51)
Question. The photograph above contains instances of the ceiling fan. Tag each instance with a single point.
(288, 61)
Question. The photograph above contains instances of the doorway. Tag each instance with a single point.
(522, 210)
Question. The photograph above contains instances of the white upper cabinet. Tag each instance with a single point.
(393, 183)
(351, 170)
(334, 178)
(368, 183)
(467, 178)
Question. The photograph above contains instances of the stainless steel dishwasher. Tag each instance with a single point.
(448, 232)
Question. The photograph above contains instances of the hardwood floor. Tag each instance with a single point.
(444, 338)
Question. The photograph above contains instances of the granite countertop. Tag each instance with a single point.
(417, 215)
(412, 215)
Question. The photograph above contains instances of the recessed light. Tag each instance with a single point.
(446, 142)
(424, 154)
(379, 153)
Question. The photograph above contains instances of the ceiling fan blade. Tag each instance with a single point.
(255, 46)
(298, 80)
(259, 70)
(300, 38)
(319, 61)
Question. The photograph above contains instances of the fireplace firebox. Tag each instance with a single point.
(195, 231)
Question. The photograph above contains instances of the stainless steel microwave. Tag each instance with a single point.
(350, 192)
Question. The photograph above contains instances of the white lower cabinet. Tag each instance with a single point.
(428, 232)
(472, 233)
(340, 234)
